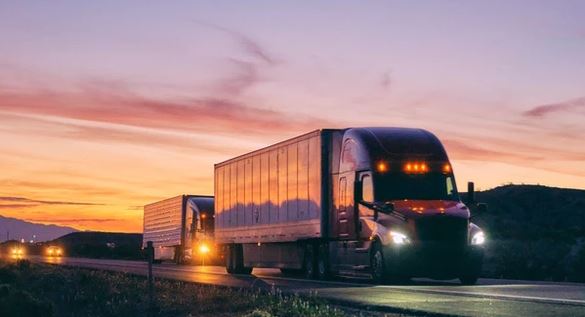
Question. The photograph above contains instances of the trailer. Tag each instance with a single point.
(375, 201)
(180, 228)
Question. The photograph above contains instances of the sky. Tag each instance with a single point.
(106, 106)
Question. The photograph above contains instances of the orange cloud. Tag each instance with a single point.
(122, 107)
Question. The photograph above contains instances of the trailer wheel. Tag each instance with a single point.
(309, 263)
(323, 264)
(237, 260)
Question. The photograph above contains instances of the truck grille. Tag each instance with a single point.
(442, 229)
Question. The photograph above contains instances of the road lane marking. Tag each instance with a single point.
(142, 265)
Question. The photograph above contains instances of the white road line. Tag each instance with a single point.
(333, 283)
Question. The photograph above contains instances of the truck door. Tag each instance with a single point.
(363, 220)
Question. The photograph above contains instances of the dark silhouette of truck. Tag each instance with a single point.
(375, 201)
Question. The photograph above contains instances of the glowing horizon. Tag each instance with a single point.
(107, 107)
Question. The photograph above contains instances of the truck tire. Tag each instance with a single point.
(309, 264)
(323, 264)
(378, 265)
(230, 265)
(239, 260)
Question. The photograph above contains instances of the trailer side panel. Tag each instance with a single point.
(271, 195)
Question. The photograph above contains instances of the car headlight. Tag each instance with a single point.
(478, 238)
(399, 238)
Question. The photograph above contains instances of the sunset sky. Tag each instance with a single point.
(107, 105)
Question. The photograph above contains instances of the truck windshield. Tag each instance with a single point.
(431, 186)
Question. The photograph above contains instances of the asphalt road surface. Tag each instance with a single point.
(489, 298)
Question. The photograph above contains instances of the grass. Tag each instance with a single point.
(29, 289)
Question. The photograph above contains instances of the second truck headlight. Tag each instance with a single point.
(478, 238)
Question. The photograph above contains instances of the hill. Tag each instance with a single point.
(535, 232)
(16, 229)
(102, 245)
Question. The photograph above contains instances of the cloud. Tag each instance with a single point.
(36, 202)
(125, 108)
(386, 80)
(75, 220)
(464, 151)
(245, 76)
(565, 106)
(15, 206)
(246, 72)
(249, 45)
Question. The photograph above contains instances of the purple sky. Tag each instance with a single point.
(107, 100)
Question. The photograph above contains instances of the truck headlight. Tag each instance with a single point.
(399, 238)
(478, 238)
(203, 248)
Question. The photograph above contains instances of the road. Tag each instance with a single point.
(489, 298)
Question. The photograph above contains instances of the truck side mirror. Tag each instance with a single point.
(482, 208)
(358, 190)
(470, 193)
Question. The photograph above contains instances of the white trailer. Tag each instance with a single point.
(176, 224)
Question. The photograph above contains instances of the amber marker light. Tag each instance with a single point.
(416, 167)
(203, 216)
(447, 168)
(382, 167)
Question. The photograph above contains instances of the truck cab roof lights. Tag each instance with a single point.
(416, 167)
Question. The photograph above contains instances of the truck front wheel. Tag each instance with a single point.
(378, 265)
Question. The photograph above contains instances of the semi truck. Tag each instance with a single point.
(380, 202)
(180, 228)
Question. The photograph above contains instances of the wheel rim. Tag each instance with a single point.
(321, 268)
(378, 265)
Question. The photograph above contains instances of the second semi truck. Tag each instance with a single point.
(180, 228)
(376, 201)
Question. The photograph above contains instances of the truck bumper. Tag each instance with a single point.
(434, 261)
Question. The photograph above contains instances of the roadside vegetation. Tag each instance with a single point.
(29, 289)
(534, 233)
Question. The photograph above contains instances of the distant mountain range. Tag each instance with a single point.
(16, 229)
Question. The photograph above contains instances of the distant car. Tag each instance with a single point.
(17, 252)
(54, 251)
